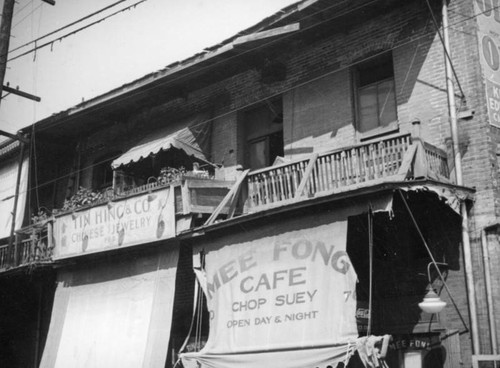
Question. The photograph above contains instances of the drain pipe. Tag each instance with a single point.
(458, 172)
(487, 285)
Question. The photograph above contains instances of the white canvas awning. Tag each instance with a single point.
(8, 178)
(191, 135)
(113, 315)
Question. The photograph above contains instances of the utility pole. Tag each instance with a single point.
(7, 12)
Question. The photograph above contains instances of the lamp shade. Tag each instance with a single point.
(432, 303)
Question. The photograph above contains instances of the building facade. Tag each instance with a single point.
(288, 196)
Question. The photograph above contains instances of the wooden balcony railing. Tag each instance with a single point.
(6, 256)
(32, 244)
(328, 171)
(193, 194)
(436, 160)
(397, 158)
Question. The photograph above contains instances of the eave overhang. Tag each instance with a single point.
(364, 193)
(307, 20)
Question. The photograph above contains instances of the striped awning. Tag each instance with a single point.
(191, 135)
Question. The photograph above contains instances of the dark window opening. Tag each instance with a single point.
(375, 93)
(102, 173)
(264, 134)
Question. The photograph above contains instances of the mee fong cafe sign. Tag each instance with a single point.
(140, 219)
(278, 287)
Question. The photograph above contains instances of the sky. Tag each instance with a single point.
(116, 51)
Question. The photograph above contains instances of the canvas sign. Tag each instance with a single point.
(279, 289)
(134, 220)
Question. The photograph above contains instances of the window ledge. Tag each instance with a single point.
(380, 131)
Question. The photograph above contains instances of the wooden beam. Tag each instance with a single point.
(265, 35)
(229, 196)
(406, 165)
(16, 137)
(420, 165)
(17, 91)
(307, 175)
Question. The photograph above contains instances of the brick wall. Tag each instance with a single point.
(318, 115)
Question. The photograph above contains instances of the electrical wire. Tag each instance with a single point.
(24, 7)
(67, 26)
(415, 39)
(132, 94)
(445, 50)
(58, 39)
(221, 115)
(424, 242)
(76, 31)
(26, 16)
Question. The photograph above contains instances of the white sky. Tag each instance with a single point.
(118, 50)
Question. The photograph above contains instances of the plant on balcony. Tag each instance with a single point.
(83, 197)
(170, 174)
(42, 215)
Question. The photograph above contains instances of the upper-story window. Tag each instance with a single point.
(376, 97)
(264, 133)
(102, 173)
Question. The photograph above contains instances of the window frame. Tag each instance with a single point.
(266, 136)
(102, 165)
(379, 130)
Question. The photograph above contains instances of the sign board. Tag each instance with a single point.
(140, 219)
(279, 287)
(488, 21)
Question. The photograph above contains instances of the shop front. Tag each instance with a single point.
(323, 286)
(116, 282)
(282, 293)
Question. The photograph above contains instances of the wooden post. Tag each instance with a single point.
(15, 261)
(50, 239)
(186, 197)
(415, 126)
(420, 166)
(36, 361)
(7, 12)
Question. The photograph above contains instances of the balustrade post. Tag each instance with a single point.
(373, 160)
(50, 239)
(415, 128)
(383, 159)
(16, 250)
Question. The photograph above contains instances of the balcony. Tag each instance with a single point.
(31, 245)
(198, 197)
(395, 159)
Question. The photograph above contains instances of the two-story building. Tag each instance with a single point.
(285, 197)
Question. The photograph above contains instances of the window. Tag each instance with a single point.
(264, 134)
(376, 98)
(102, 173)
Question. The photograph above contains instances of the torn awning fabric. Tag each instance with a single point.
(280, 295)
(191, 135)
